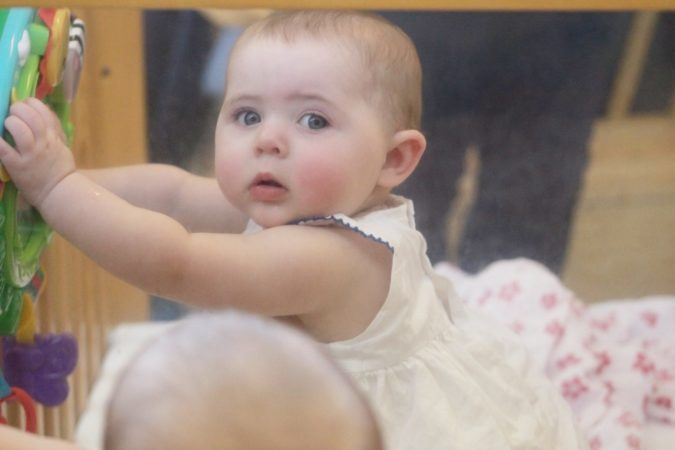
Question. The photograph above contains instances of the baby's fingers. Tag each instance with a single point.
(25, 111)
(48, 116)
(24, 139)
(7, 153)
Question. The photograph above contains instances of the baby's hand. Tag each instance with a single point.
(41, 158)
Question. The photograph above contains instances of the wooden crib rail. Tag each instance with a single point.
(473, 5)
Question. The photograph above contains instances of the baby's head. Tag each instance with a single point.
(320, 116)
(235, 381)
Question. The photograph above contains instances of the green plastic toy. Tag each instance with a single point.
(40, 56)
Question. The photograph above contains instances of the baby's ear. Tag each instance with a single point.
(405, 152)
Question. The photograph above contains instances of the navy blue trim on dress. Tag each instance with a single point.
(341, 222)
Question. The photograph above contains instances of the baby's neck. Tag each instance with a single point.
(378, 200)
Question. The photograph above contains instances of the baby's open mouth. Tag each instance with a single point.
(266, 179)
(268, 183)
(266, 188)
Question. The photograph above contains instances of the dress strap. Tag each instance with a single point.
(348, 223)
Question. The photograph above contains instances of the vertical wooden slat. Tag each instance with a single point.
(45, 311)
(632, 64)
(82, 379)
(39, 413)
(62, 315)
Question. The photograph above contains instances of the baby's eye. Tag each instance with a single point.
(248, 118)
(313, 121)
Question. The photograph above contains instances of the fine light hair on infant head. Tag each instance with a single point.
(236, 381)
(390, 67)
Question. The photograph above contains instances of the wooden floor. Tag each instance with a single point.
(623, 239)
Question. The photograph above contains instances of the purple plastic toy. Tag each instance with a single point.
(41, 368)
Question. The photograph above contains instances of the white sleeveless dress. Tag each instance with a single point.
(439, 376)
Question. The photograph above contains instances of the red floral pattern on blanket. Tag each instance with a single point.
(614, 362)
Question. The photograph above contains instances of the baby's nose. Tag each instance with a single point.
(271, 140)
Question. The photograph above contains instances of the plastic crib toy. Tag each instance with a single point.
(41, 53)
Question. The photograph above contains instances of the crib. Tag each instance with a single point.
(82, 299)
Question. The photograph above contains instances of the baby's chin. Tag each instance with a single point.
(269, 218)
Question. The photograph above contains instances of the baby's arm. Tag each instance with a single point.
(194, 201)
(11, 438)
(281, 271)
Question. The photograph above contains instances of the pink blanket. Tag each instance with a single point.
(614, 361)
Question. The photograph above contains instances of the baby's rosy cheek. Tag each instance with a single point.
(226, 171)
(229, 174)
(320, 183)
(227, 165)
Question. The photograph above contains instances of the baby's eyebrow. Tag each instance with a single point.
(240, 98)
(325, 103)
(308, 96)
